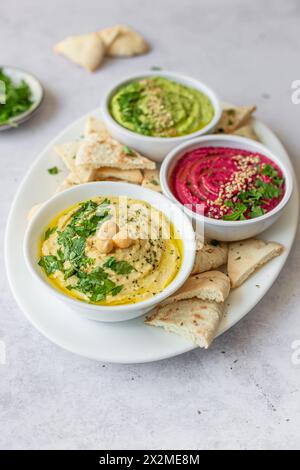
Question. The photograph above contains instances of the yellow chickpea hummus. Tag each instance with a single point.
(111, 251)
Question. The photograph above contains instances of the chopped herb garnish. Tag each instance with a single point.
(49, 232)
(50, 264)
(18, 99)
(119, 267)
(128, 151)
(53, 171)
(237, 212)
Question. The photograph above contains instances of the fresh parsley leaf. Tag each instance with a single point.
(50, 264)
(49, 232)
(268, 190)
(119, 267)
(18, 98)
(256, 211)
(237, 212)
(128, 151)
(53, 171)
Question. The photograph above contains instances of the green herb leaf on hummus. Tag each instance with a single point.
(53, 171)
(119, 267)
(49, 232)
(50, 264)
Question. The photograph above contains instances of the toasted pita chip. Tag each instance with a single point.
(246, 256)
(67, 152)
(195, 320)
(122, 41)
(131, 176)
(212, 285)
(247, 131)
(211, 256)
(87, 50)
(33, 211)
(95, 126)
(233, 118)
(151, 180)
(97, 152)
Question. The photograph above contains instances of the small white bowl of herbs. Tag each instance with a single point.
(21, 94)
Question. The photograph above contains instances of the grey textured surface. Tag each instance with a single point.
(244, 392)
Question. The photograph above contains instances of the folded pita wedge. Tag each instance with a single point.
(131, 176)
(195, 320)
(87, 50)
(246, 256)
(95, 126)
(98, 152)
(233, 118)
(122, 41)
(212, 285)
(211, 256)
(67, 152)
(151, 180)
(247, 131)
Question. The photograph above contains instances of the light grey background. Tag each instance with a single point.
(244, 392)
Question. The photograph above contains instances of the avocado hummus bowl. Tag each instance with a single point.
(154, 112)
(114, 252)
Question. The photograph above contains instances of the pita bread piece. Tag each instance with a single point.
(194, 320)
(98, 152)
(95, 126)
(67, 152)
(151, 180)
(247, 131)
(87, 50)
(122, 41)
(69, 182)
(233, 118)
(212, 285)
(213, 255)
(131, 176)
(246, 256)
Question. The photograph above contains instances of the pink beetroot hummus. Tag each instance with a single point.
(226, 183)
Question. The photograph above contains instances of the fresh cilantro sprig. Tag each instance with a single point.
(119, 267)
(18, 98)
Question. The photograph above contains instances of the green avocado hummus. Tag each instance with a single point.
(159, 107)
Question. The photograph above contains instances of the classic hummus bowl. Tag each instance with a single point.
(111, 251)
(153, 112)
(232, 187)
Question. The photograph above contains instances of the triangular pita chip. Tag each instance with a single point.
(122, 41)
(211, 256)
(67, 152)
(195, 320)
(212, 285)
(87, 50)
(151, 180)
(131, 176)
(97, 152)
(233, 118)
(246, 256)
(247, 131)
(95, 126)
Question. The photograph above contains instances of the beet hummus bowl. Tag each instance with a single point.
(232, 187)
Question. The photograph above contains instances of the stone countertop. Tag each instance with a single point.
(244, 392)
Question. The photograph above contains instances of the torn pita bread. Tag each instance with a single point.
(97, 152)
(247, 131)
(195, 320)
(233, 118)
(131, 176)
(95, 126)
(211, 256)
(87, 50)
(33, 211)
(246, 256)
(151, 180)
(122, 41)
(212, 285)
(67, 152)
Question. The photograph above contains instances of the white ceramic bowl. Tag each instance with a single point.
(220, 229)
(157, 148)
(37, 92)
(62, 201)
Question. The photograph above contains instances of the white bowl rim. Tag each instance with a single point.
(230, 138)
(178, 281)
(201, 86)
